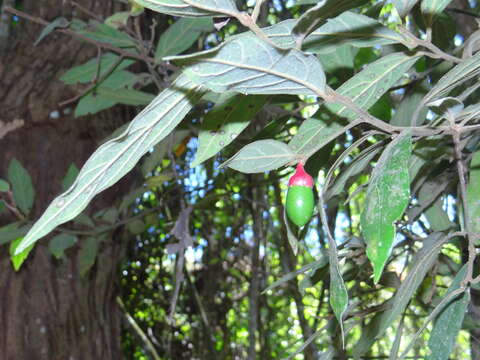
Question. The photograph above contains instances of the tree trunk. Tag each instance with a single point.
(48, 311)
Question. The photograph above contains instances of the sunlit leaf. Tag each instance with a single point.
(112, 160)
(16, 257)
(387, 197)
(248, 65)
(404, 6)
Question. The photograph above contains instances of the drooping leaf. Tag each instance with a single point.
(58, 244)
(112, 160)
(88, 255)
(59, 22)
(318, 14)
(22, 187)
(70, 177)
(248, 65)
(86, 73)
(449, 321)
(421, 264)
(125, 96)
(292, 239)
(473, 195)
(404, 112)
(104, 33)
(338, 290)
(18, 258)
(224, 123)
(387, 198)
(188, 8)
(261, 156)
(404, 6)
(181, 36)
(353, 29)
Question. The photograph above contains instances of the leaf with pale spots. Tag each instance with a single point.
(387, 197)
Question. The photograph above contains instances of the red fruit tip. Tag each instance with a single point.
(300, 178)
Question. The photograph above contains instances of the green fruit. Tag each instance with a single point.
(299, 204)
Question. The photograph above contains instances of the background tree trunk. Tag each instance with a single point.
(47, 310)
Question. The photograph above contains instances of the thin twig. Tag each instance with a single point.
(256, 9)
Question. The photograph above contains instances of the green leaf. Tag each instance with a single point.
(421, 264)
(248, 65)
(318, 14)
(466, 70)
(188, 8)
(23, 191)
(88, 255)
(260, 156)
(404, 6)
(338, 290)
(473, 195)
(4, 186)
(292, 239)
(431, 8)
(340, 59)
(225, 122)
(315, 133)
(181, 36)
(353, 29)
(70, 177)
(112, 160)
(449, 321)
(404, 112)
(58, 244)
(387, 198)
(59, 22)
(12, 231)
(118, 20)
(105, 34)
(369, 85)
(16, 257)
(125, 96)
(86, 73)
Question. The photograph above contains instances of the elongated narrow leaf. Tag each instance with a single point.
(59, 22)
(88, 255)
(22, 187)
(449, 321)
(125, 96)
(104, 34)
(369, 85)
(473, 195)
(317, 15)
(421, 264)
(116, 157)
(404, 6)
(315, 133)
(225, 122)
(292, 239)
(182, 8)
(352, 29)
(338, 290)
(260, 156)
(248, 65)
(387, 198)
(181, 35)
(464, 71)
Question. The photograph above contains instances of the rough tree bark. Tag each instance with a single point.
(47, 311)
